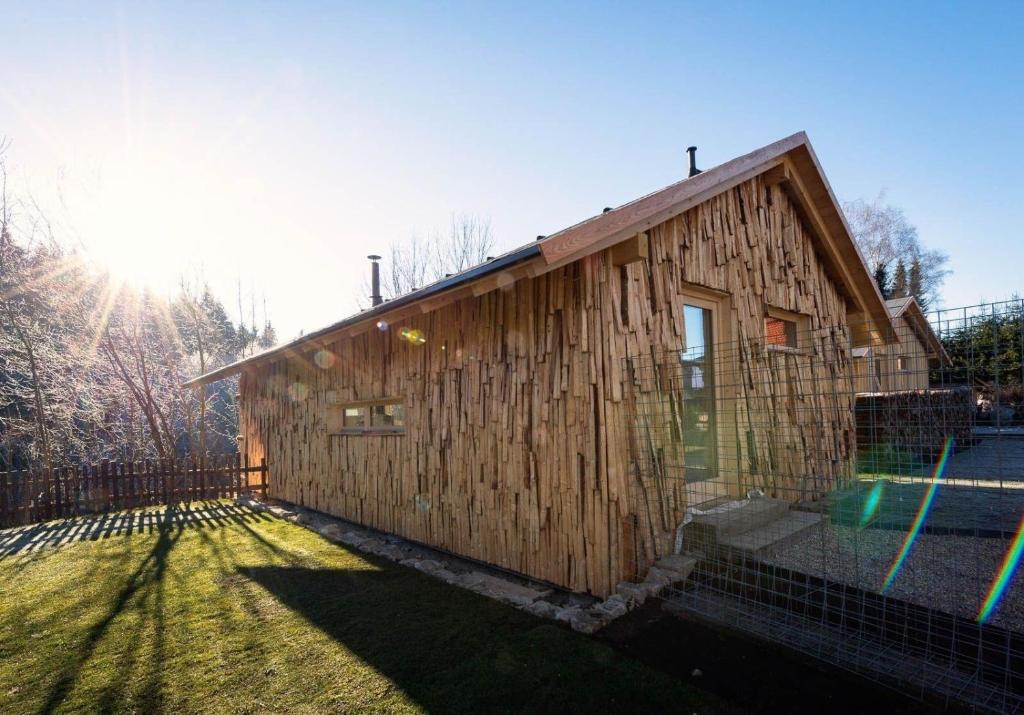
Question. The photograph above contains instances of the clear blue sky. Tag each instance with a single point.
(283, 142)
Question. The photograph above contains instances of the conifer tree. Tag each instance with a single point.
(899, 280)
(882, 280)
(915, 284)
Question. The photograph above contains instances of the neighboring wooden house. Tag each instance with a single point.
(902, 365)
(502, 413)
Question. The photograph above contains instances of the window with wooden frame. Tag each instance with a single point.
(903, 363)
(785, 330)
(367, 417)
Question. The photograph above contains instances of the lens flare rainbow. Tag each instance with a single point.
(1004, 576)
(413, 335)
(922, 514)
(871, 503)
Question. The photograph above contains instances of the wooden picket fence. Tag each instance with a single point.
(34, 495)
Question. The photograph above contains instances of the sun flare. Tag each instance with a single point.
(146, 217)
(127, 222)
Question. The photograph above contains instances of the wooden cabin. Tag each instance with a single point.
(556, 410)
(905, 364)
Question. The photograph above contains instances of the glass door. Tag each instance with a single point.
(697, 395)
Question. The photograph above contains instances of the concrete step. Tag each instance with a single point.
(751, 514)
(678, 566)
(773, 537)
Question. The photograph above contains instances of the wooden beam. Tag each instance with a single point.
(630, 251)
(446, 298)
(846, 275)
(505, 279)
(777, 174)
(806, 166)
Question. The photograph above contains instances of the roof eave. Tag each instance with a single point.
(318, 338)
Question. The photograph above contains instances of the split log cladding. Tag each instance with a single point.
(516, 449)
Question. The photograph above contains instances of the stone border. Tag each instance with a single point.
(582, 613)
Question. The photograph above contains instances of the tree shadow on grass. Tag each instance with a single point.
(199, 515)
(144, 589)
(148, 574)
(451, 650)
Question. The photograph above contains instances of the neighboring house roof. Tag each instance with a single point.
(910, 310)
(897, 306)
(790, 162)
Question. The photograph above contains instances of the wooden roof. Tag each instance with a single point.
(910, 310)
(789, 162)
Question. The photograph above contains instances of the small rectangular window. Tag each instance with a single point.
(354, 417)
(780, 332)
(386, 416)
(903, 363)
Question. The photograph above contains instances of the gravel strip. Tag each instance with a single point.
(948, 573)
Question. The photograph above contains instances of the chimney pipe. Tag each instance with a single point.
(692, 151)
(375, 297)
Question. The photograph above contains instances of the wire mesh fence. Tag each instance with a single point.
(860, 503)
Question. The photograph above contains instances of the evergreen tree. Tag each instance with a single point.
(987, 350)
(915, 284)
(882, 280)
(268, 338)
(899, 281)
(884, 234)
(217, 315)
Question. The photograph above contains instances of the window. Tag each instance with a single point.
(369, 417)
(354, 418)
(779, 332)
(391, 415)
(784, 330)
(903, 363)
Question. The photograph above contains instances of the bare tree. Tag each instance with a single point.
(467, 244)
(142, 347)
(408, 266)
(200, 329)
(210, 340)
(886, 238)
(49, 397)
(15, 302)
(419, 261)
(91, 369)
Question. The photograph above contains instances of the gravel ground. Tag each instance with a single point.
(949, 573)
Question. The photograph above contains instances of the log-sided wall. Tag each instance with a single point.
(517, 443)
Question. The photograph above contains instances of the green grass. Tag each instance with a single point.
(220, 610)
(890, 460)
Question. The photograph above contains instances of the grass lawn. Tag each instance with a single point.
(216, 609)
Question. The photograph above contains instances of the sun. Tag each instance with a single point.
(127, 220)
(146, 217)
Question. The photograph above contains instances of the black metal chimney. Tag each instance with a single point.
(375, 297)
(692, 151)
